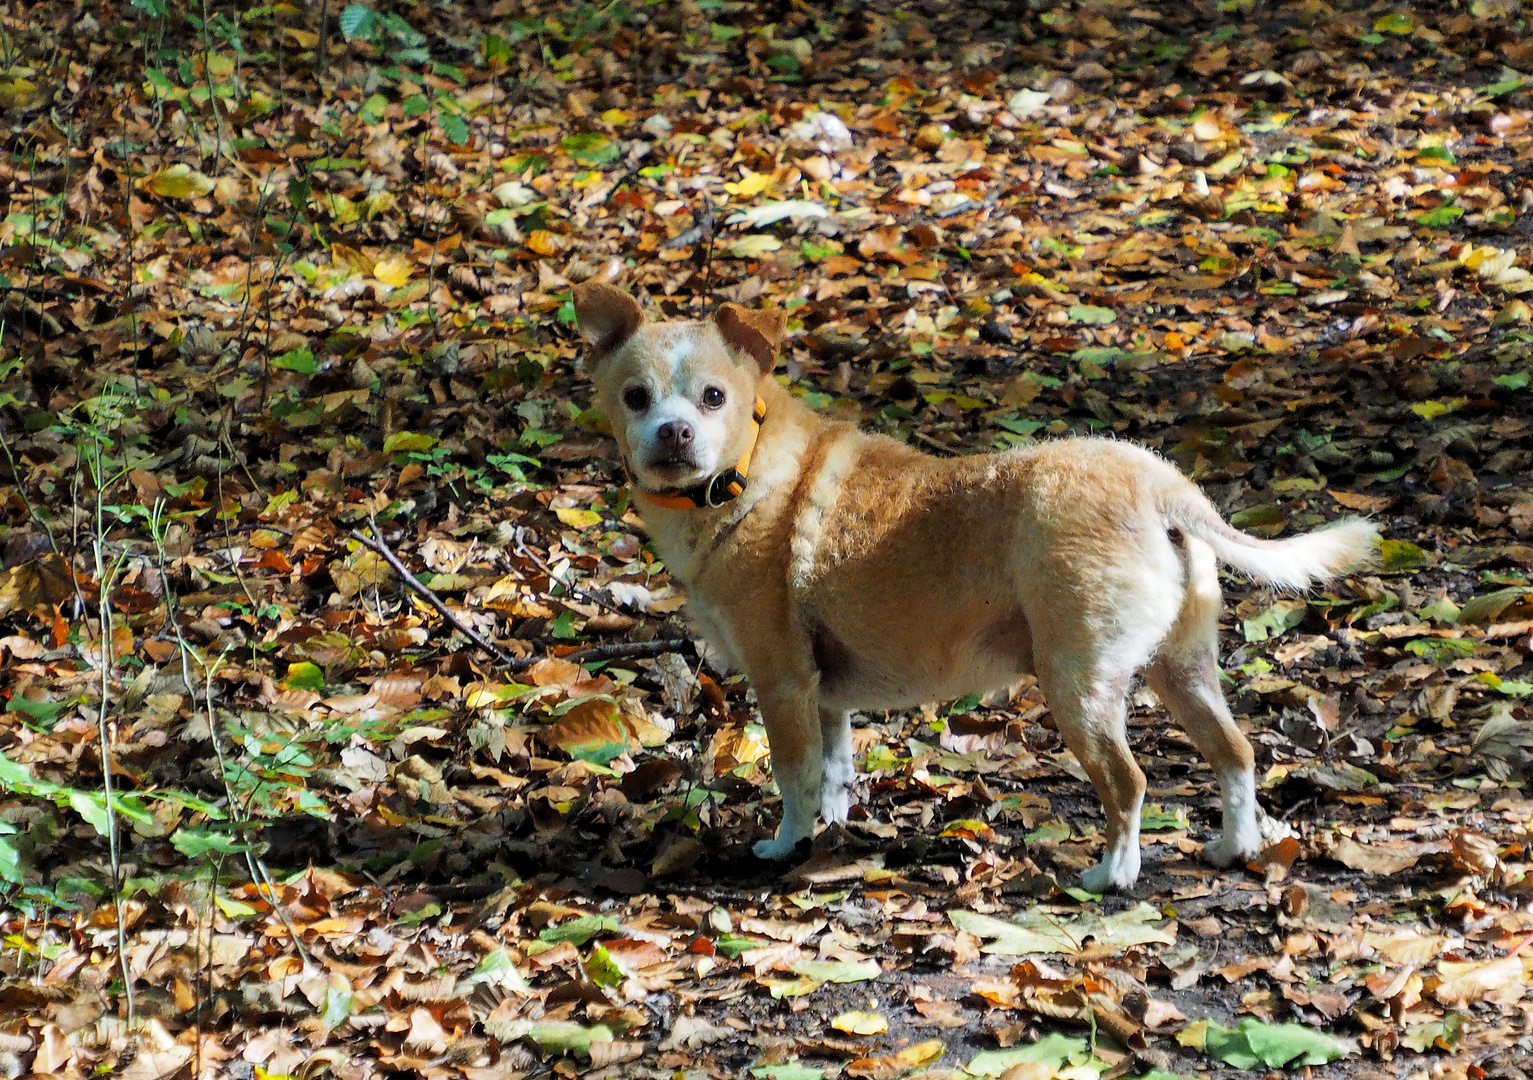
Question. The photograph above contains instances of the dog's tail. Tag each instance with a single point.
(1297, 562)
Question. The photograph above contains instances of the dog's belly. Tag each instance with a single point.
(920, 663)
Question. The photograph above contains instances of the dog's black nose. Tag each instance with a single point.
(675, 433)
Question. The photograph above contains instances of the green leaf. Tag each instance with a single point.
(1518, 688)
(1397, 23)
(602, 969)
(591, 148)
(496, 50)
(302, 675)
(564, 1037)
(1441, 650)
(837, 971)
(732, 945)
(1049, 831)
(234, 909)
(1441, 610)
(357, 20)
(1092, 315)
(498, 970)
(1443, 1034)
(1154, 818)
(1487, 607)
(1256, 1043)
(1509, 83)
(408, 442)
(1054, 1050)
(1441, 217)
(91, 806)
(454, 127)
(788, 1070)
(340, 1002)
(1265, 516)
(1276, 620)
(1400, 555)
(197, 843)
(579, 930)
(421, 914)
(1517, 380)
(10, 863)
(299, 360)
(44, 712)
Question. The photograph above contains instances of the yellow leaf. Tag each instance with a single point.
(754, 246)
(393, 271)
(379, 202)
(860, 1023)
(1194, 1034)
(753, 183)
(1431, 410)
(578, 519)
(177, 182)
(892, 1065)
(544, 242)
(342, 210)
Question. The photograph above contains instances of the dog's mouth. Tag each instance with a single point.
(673, 471)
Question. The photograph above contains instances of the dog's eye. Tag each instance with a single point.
(636, 398)
(713, 397)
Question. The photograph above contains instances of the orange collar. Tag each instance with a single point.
(723, 488)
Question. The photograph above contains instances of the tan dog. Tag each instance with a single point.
(843, 571)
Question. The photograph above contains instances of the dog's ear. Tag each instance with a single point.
(758, 334)
(607, 315)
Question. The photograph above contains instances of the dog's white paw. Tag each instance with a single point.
(1229, 850)
(777, 848)
(1273, 830)
(835, 804)
(1118, 870)
(1241, 847)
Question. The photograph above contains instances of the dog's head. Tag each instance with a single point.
(679, 395)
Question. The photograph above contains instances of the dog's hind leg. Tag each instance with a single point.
(839, 769)
(1091, 713)
(1185, 675)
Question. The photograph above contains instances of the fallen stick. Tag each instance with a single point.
(623, 650)
(375, 542)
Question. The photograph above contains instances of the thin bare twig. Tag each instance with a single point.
(574, 590)
(621, 650)
(104, 580)
(237, 812)
(625, 650)
(376, 543)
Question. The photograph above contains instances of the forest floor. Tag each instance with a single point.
(275, 277)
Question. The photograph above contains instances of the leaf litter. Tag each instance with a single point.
(272, 279)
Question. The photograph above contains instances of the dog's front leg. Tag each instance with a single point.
(791, 713)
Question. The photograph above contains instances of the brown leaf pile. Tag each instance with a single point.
(275, 276)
